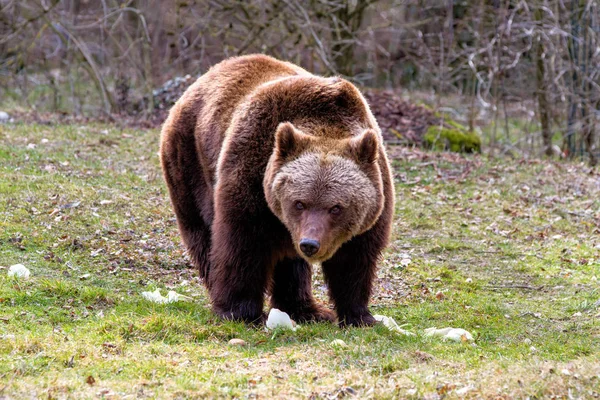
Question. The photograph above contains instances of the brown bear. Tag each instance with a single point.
(271, 169)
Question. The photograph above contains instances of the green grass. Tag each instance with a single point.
(513, 246)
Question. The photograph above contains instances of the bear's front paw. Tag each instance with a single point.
(316, 313)
(357, 319)
(242, 314)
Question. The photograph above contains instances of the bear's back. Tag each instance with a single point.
(211, 101)
(228, 83)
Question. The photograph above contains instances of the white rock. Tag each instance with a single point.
(156, 297)
(7, 336)
(4, 117)
(464, 390)
(405, 262)
(338, 343)
(279, 319)
(454, 334)
(19, 271)
(391, 324)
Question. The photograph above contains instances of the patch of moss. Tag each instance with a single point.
(456, 125)
(457, 140)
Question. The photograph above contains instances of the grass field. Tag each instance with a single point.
(506, 249)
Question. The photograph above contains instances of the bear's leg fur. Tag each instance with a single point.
(241, 262)
(190, 195)
(292, 292)
(350, 273)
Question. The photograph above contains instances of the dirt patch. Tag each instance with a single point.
(400, 120)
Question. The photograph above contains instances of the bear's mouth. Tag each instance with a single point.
(321, 256)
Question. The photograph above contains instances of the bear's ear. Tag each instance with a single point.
(364, 148)
(290, 142)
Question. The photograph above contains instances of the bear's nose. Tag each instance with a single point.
(309, 246)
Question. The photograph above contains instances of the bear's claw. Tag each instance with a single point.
(314, 314)
(357, 320)
(253, 319)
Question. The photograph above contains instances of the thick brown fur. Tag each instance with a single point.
(258, 155)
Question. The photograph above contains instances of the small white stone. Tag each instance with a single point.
(338, 343)
(7, 336)
(405, 262)
(464, 390)
(279, 319)
(19, 271)
(469, 280)
(237, 342)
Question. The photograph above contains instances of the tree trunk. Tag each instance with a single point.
(589, 128)
(543, 106)
(589, 103)
(345, 42)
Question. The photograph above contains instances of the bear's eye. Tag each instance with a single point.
(335, 210)
(299, 205)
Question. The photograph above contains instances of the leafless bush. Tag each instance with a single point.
(498, 56)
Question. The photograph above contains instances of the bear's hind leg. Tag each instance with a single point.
(197, 243)
(190, 194)
(292, 292)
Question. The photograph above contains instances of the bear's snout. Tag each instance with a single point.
(309, 246)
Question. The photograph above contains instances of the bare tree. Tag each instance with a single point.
(505, 56)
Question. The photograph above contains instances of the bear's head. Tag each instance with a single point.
(324, 190)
